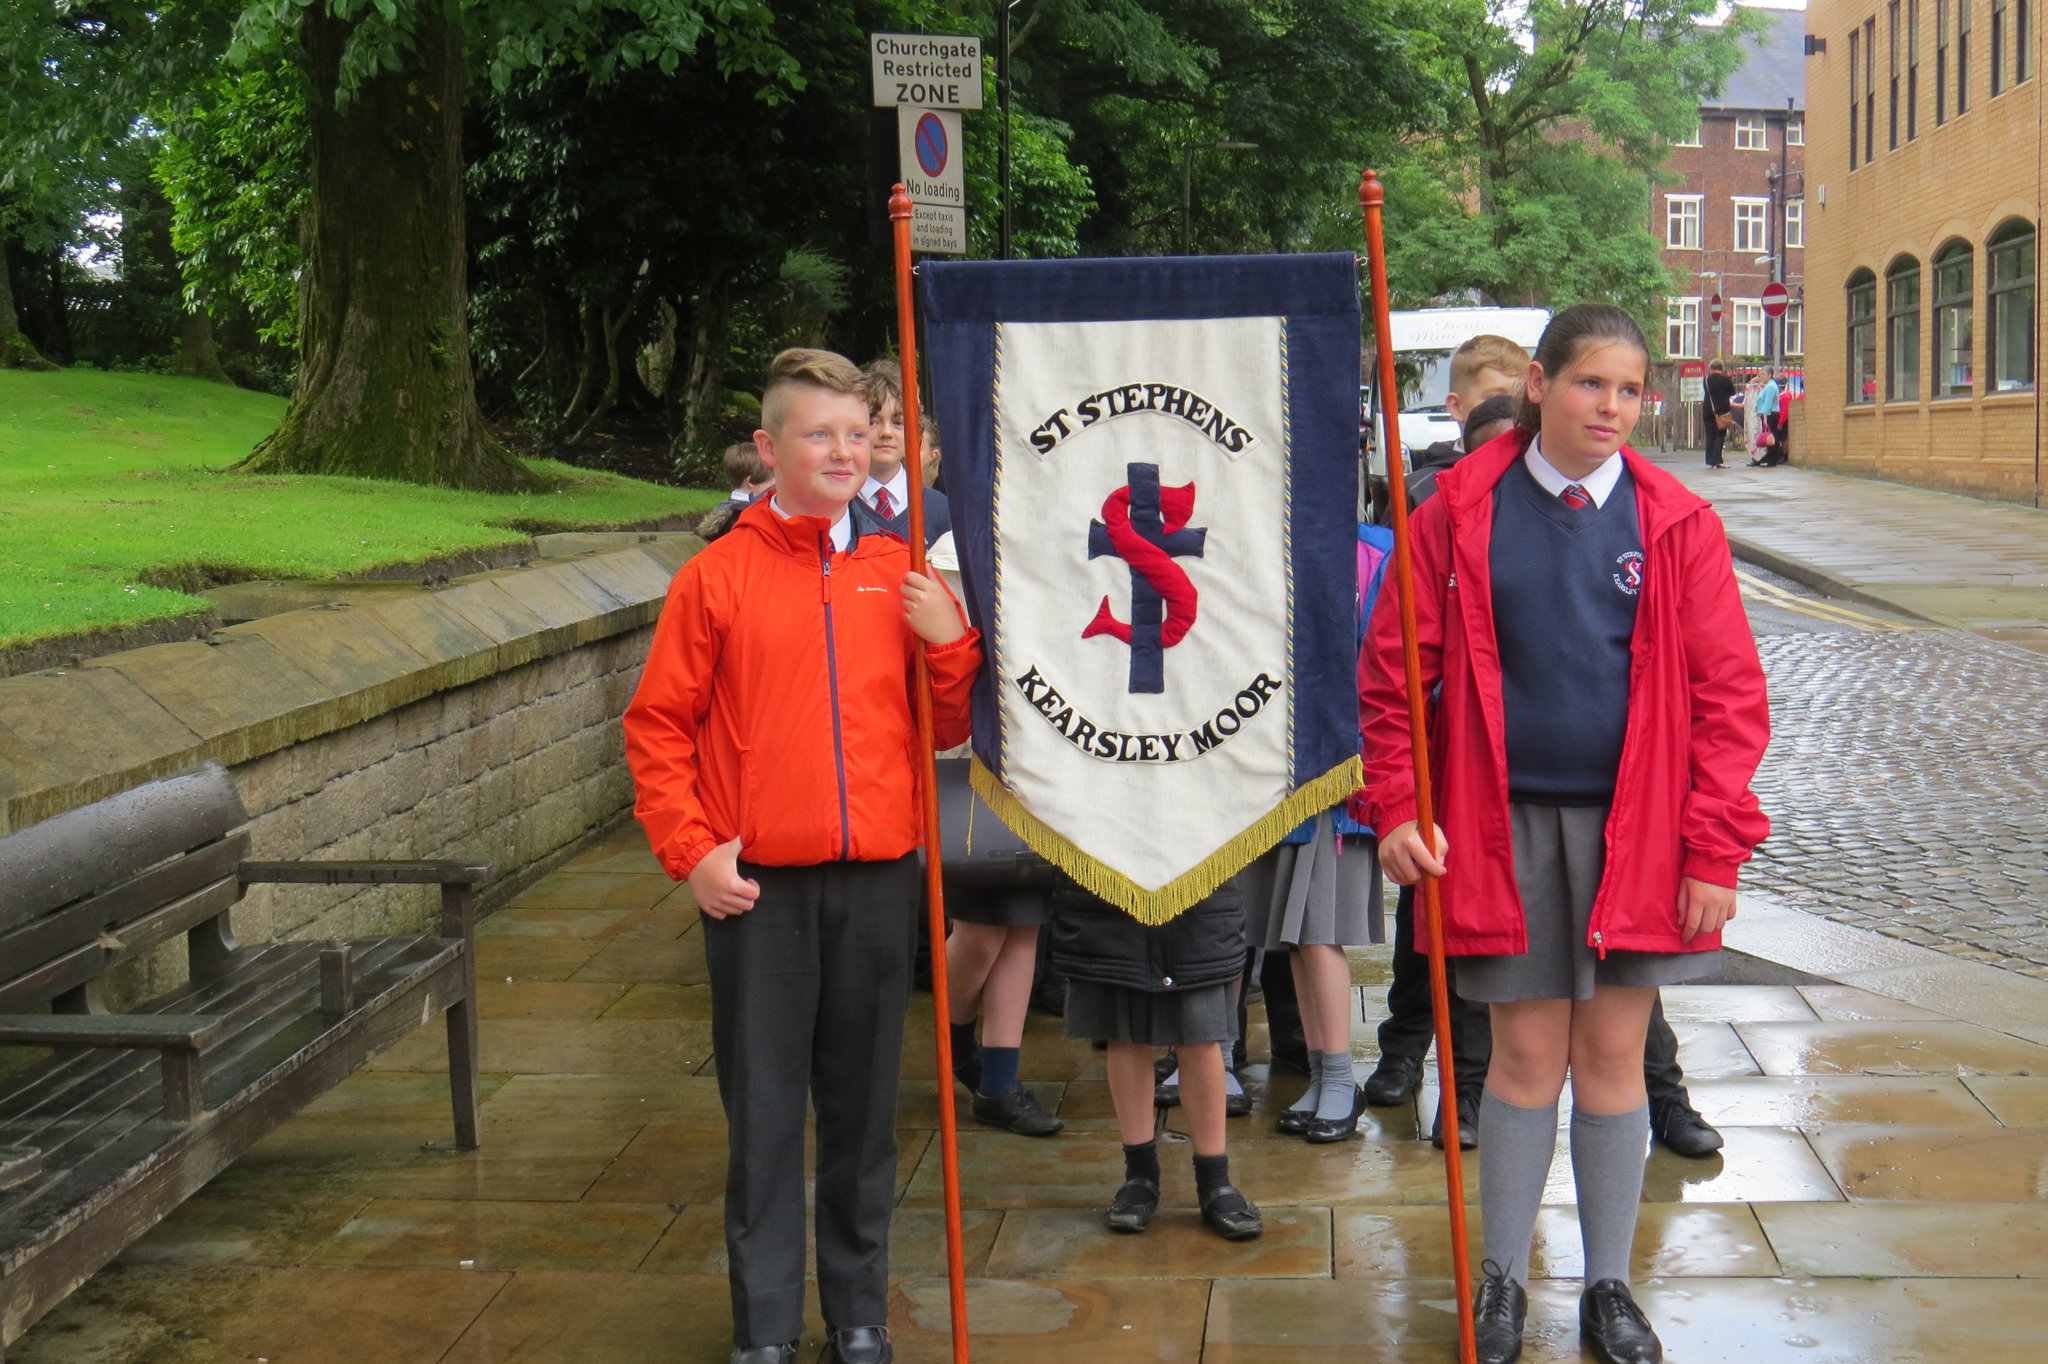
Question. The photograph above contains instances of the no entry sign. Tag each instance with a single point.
(1776, 299)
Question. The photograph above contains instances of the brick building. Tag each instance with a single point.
(1735, 219)
(1926, 184)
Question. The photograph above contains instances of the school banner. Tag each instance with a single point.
(1153, 466)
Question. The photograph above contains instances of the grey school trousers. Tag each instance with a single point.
(808, 991)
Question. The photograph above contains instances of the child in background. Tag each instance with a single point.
(1486, 366)
(771, 744)
(887, 489)
(1143, 987)
(1313, 896)
(1601, 714)
(749, 480)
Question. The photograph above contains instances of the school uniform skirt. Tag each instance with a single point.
(1010, 907)
(1560, 853)
(1163, 1018)
(1324, 891)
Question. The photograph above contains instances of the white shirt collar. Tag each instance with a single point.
(899, 488)
(842, 527)
(1599, 484)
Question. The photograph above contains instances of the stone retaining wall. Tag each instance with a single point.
(477, 721)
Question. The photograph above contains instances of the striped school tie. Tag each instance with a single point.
(884, 504)
(1575, 497)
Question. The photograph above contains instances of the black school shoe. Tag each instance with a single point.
(1676, 1123)
(765, 1354)
(1468, 1122)
(1499, 1307)
(1133, 1208)
(1016, 1110)
(859, 1345)
(1394, 1081)
(1615, 1327)
(1329, 1131)
(1231, 1215)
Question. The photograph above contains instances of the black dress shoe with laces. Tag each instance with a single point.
(1677, 1124)
(1499, 1307)
(765, 1354)
(1133, 1208)
(1468, 1122)
(859, 1345)
(1016, 1110)
(1394, 1081)
(1231, 1215)
(1615, 1327)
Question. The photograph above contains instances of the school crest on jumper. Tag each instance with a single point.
(1152, 466)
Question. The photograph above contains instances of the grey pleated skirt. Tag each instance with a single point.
(1560, 852)
(1013, 907)
(1167, 1018)
(1303, 894)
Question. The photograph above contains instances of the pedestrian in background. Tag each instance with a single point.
(1718, 409)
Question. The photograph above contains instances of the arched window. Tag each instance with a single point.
(1862, 290)
(1955, 372)
(2010, 297)
(1902, 330)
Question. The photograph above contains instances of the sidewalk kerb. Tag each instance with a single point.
(1828, 584)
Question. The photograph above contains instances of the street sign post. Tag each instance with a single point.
(928, 79)
(926, 70)
(930, 162)
(1692, 382)
(1776, 299)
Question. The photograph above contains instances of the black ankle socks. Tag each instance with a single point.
(1142, 1161)
(1211, 1172)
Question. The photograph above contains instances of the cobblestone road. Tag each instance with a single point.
(1907, 781)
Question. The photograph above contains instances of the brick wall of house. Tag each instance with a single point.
(1719, 172)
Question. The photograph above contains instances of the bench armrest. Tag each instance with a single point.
(365, 873)
(458, 882)
(178, 1036)
(159, 1032)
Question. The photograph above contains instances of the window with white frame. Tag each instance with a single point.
(1682, 328)
(1752, 225)
(1682, 221)
(1752, 135)
(1795, 133)
(1749, 327)
(1691, 139)
(1794, 323)
(1795, 223)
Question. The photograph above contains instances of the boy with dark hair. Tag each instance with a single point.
(887, 490)
(770, 744)
(748, 478)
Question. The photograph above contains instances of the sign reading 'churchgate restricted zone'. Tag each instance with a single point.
(926, 71)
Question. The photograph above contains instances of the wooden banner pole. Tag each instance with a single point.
(928, 782)
(1372, 199)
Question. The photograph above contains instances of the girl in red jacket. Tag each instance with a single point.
(1599, 714)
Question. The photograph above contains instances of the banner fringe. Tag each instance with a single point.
(1192, 886)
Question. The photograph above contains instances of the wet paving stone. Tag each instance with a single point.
(1910, 1240)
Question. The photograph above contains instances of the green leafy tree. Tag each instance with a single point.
(1535, 187)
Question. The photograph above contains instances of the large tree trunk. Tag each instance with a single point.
(385, 388)
(16, 350)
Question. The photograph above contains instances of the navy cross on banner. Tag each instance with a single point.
(1153, 472)
(1146, 527)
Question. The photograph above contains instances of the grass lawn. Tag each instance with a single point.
(111, 497)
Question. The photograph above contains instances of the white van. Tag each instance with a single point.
(1428, 337)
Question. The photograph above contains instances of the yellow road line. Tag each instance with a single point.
(1825, 610)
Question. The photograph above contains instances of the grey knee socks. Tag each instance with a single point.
(1336, 1089)
(1517, 1144)
(1608, 1152)
(1309, 1097)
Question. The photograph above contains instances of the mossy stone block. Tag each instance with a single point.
(238, 694)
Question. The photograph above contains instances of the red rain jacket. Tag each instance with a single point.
(1698, 719)
(776, 702)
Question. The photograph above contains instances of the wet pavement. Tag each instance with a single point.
(1883, 1196)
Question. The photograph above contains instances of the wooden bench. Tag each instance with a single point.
(135, 1111)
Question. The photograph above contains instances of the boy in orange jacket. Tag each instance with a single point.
(771, 742)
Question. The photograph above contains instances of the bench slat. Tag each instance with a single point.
(187, 1032)
(366, 873)
(99, 952)
(81, 852)
(37, 1214)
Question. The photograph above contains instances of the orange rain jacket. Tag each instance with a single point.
(776, 702)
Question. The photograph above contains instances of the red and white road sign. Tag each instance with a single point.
(1714, 308)
(1776, 298)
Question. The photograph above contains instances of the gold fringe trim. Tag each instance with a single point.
(1190, 887)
